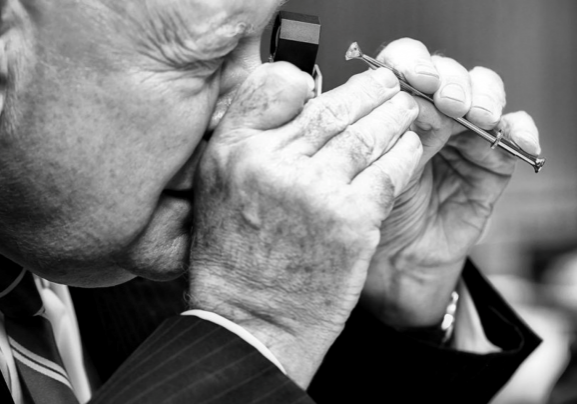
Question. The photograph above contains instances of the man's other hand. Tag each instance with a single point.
(290, 198)
(445, 209)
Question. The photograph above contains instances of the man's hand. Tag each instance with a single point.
(290, 197)
(445, 209)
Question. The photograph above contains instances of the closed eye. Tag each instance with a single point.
(175, 57)
(167, 42)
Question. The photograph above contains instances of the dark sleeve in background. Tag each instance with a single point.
(373, 363)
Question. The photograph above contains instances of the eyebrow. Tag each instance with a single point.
(280, 4)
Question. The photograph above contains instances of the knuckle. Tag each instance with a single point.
(400, 112)
(374, 84)
(451, 70)
(380, 81)
(331, 115)
(386, 76)
(357, 146)
(362, 143)
(366, 89)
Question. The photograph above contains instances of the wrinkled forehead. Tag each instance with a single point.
(212, 9)
(236, 16)
(118, 33)
(211, 24)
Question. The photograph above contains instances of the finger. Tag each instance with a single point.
(487, 102)
(521, 129)
(369, 138)
(331, 113)
(270, 97)
(387, 178)
(413, 60)
(454, 95)
(488, 98)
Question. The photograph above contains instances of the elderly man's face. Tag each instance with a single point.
(111, 101)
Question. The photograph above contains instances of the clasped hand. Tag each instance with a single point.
(297, 197)
(445, 209)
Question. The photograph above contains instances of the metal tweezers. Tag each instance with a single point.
(494, 137)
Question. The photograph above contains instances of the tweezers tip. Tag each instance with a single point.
(539, 163)
(354, 52)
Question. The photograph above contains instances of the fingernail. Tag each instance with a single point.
(526, 142)
(426, 69)
(453, 92)
(487, 104)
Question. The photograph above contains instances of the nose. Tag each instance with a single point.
(238, 66)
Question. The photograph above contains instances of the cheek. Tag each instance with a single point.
(90, 162)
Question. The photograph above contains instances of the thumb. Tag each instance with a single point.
(270, 97)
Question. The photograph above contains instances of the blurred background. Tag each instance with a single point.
(530, 249)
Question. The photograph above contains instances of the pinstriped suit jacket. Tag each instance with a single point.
(189, 360)
(369, 363)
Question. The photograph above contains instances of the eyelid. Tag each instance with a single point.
(169, 50)
(212, 64)
(198, 65)
(173, 57)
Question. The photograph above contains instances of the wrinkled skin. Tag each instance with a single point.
(104, 113)
(288, 212)
(112, 100)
